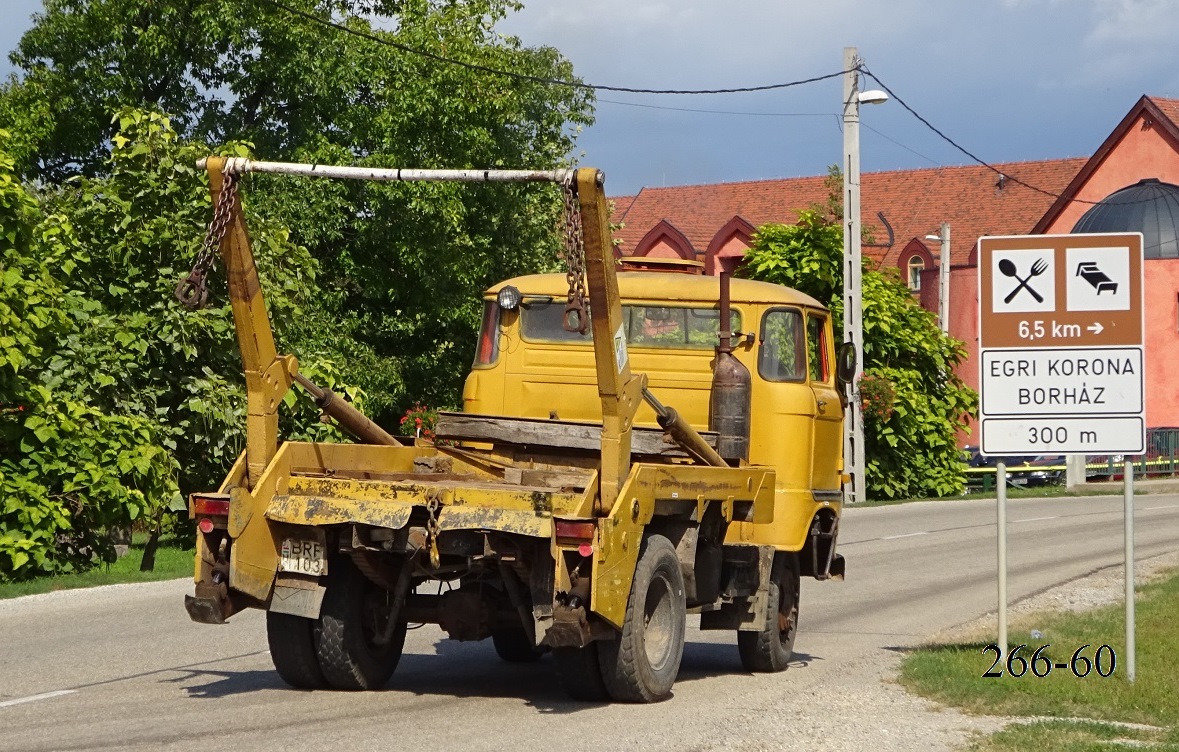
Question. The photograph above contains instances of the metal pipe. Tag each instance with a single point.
(726, 318)
(1001, 525)
(683, 433)
(1128, 530)
(240, 165)
(348, 417)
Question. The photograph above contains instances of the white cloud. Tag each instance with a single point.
(1134, 22)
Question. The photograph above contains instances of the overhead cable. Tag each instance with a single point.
(1003, 174)
(525, 76)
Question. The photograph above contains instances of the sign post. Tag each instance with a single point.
(1061, 361)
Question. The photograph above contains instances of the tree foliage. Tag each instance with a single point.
(914, 451)
(400, 266)
(373, 286)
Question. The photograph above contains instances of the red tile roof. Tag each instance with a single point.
(1169, 107)
(915, 203)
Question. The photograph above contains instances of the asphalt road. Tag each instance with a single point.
(124, 668)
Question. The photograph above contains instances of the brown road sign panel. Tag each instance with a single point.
(1060, 291)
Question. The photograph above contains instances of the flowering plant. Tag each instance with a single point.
(419, 421)
(878, 398)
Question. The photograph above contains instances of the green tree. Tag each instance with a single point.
(400, 266)
(911, 446)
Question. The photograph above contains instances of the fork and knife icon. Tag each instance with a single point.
(1008, 268)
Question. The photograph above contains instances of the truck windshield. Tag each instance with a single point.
(657, 326)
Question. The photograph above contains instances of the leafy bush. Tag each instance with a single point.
(67, 470)
(113, 398)
(911, 447)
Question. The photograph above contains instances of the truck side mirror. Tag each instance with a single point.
(845, 363)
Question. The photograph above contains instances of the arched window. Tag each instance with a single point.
(916, 266)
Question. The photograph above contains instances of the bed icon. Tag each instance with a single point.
(1094, 276)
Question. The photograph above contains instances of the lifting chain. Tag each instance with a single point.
(576, 317)
(433, 506)
(193, 292)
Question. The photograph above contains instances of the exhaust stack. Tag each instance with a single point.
(732, 386)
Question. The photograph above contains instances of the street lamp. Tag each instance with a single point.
(853, 305)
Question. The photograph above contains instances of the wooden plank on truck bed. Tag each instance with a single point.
(567, 434)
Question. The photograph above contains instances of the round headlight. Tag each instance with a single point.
(508, 298)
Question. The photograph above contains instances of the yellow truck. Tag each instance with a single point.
(634, 446)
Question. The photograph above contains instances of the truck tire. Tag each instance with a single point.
(292, 650)
(580, 673)
(769, 649)
(641, 664)
(352, 618)
(514, 646)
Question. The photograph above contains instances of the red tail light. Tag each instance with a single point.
(574, 531)
(213, 504)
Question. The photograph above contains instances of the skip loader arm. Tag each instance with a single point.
(268, 374)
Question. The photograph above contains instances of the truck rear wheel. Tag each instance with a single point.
(769, 649)
(360, 636)
(580, 673)
(292, 650)
(642, 663)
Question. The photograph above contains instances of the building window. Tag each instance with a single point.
(916, 266)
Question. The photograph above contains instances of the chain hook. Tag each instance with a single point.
(576, 318)
(193, 291)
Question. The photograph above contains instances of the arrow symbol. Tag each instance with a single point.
(1096, 328)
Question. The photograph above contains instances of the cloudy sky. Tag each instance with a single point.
(1007, 79)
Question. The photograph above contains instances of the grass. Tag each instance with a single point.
(1036, 492)
(173, 560)
(1066, 736)
(953, 675)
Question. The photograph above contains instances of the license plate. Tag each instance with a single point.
(303, 557)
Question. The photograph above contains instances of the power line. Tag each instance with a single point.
(886, 137)
(951, 141)
(527, 77)
(1003, 174)
(716, 112)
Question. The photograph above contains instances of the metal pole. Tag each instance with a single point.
(1001, 524)
(1131, 668)
(240, 165)
(943, 280)
(853, 325)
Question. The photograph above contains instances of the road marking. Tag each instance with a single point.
(1038, 519)
(1165, 506)
(906, 535)
(34, 698)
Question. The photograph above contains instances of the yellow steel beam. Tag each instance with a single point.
(267, 376)
(619, 389)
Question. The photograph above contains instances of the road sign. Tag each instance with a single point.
(1061, 361)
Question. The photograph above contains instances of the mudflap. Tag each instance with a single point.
(745, 583)
(210, 605)
(838, 567)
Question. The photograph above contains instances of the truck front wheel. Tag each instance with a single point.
(641, 664)
(769, 649)
(360, 633)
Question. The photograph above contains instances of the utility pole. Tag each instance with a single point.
(853, 283)
(853, 308)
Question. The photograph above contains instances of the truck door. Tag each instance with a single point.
(827, 447)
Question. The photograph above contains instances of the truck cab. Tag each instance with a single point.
(528, 365)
